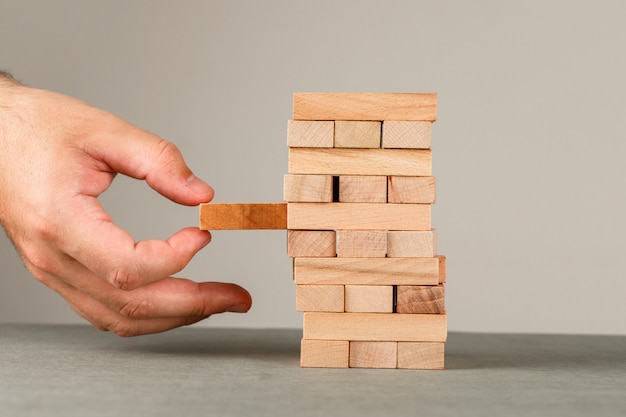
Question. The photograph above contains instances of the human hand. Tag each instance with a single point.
(58, 154)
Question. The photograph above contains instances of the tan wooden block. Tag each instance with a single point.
(369, 298)
(358, 216)
(411, 243)
(373, 355)
(419, 299)
(310, 134)
(366, 271)
(308, 188)
(421, 355)
(365, 106)
(324, 353)
(376, 327)
(339, 161)
(442, 268)
(243, 216)
(362, 189)
(320, 298)
(411, 190)
(406, 134)
(357, 134)
(361, 243)
(311, 243)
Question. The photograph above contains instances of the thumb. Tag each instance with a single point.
(142, 155)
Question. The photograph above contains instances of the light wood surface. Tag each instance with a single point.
(406, 135)
(324, 353)
(421, 355)
(365, 106)
(373, 355)
(357, 134)
(320, 298)
(362, 189)
(369, 298)
(361, 243)
(358, 216)
(406, 162)
(308, 188)
(376, 327)
(311, 243)
(420, 299)
(243, 216)
(442, 268)
(366, 271)
(411, 190)
(411, 243)
(310, 134)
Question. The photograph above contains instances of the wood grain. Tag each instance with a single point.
(324, 353)
(320, 298)
(406, 135)
(243, 216)
(379, 355)
(421, 355)
(357, 134)
(406, 162)
(420, 299)
(411, 244)
(411, 190)
(358, 216)
(311, 243)
(376, 327)
(365, 106)
(308, 188)
(362, 189)
(310, 134)
(366, 271)
(369, 298)
(361, 243)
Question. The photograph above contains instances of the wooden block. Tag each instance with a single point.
(311, 243)
(365, 106)
(358, 216)
(442, 268)
(320, 298)
(411, 243)
(376, 327)
(362, 189)
(419, 299)
(243, 216)
(369, 298)
(310, 134)
(406, 135)
(407, 162)
(308, 188)
(324, 353)
(373, 355)
(366, 271)
(411, 190)
(420, 355)
(361, 243)
(357, 134)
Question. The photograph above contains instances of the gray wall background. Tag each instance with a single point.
(528, 149)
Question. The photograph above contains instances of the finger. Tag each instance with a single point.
(142, 155)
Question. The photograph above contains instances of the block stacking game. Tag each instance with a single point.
(365, 264)
(357, 209)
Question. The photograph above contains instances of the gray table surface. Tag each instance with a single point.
(79, 371)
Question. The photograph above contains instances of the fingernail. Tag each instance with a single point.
(199, 187)
(238, 308)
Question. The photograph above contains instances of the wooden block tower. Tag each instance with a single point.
(359, 194)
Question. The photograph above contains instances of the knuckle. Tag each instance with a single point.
(168, 153)
(120, 328)
(136, 308)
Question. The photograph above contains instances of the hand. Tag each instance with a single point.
(57, 155)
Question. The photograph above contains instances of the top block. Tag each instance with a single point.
(365, 106)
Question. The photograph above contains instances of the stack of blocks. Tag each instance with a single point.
(359, 194)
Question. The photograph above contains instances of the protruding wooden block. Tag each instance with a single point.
(311, 243)
(406, 134)
(419, 299)
(442, 268)
(420, 355)
(358, 216)
(411, 190)
(310, 134)
(308, 188)
(362, 189)
(365, 106)
(373, 355)
(376, 327)
(369, 298)
(324, 353)
(243, 216)
(338, 161)
(366, 271)
(361, 243)
(411, 243)
(320, 298)
(357, 134)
